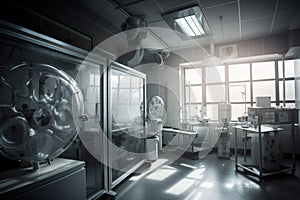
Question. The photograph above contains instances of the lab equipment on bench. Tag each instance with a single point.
(265, 150)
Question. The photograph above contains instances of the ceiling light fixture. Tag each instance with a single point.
(190, 21)
(190, 25)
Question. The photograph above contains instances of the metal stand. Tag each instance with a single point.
(259, 171)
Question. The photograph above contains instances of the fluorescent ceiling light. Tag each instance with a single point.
(184, 26)
(190, 25)
(199, 26)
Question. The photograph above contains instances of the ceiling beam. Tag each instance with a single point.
(240, 21)
(274, 16)
(125, 12)
(129, 4)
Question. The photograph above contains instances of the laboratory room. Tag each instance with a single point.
(149, 99)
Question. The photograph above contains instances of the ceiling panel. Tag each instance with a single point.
(256, 28)
(231, 32)
(228, 11)
(174, 4)
(149, 9)
(295, 23)
(282, 22)
(176, 42)
(159, 23)
(162, 32)
(104, 9)
(252, 9)
(287, 5)
(209, 3)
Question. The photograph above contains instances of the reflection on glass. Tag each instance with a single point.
(127, 128)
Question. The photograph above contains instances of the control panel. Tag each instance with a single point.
(274, 115)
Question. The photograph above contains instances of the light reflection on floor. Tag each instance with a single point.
(207, 178)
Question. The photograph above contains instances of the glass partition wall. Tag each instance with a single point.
(126, 124)
(19, 45)
(111, 137)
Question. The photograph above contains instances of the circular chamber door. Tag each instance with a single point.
(43, 114)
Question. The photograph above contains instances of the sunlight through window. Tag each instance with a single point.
(181, 186)
(161, 174)
(196, 174)
(194, 195)
(207, 185)
(229, 185)
(188, 166)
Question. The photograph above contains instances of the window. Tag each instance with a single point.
(215, 74)
(289, 90)
(263, 70)
(212, 111)
(240, 87)
(286, 85)
(239, 92)
(288, 69)
(215, 93)
(238, 110)
(264, 88)
(193, 76)
(239, 72)
(193, 94)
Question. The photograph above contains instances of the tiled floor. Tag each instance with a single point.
(207, 178)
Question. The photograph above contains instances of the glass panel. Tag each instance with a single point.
(193, 76)
(289, 69)
(124, 81)
(212, 111)
(114, 81)
(127, 126)
(135, 82)
(137, 95)
(193, 111)
(264, 88)
(289, 90)
(215, 74)
(237, 92)
(239, 72)
(238, 110)
(124, 95)
(215, 93)
(193, 94)
(263, 70)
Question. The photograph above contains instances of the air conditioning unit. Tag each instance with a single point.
(228, 52)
